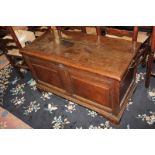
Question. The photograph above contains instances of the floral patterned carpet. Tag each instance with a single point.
(46, 110)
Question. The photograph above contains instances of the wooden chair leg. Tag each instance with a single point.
(3, 48)
(144, 60)
(149, 70)
(146, 48)
(16, 69)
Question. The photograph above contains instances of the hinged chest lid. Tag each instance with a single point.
(109, 57)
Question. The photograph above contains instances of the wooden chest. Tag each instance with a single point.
(95, 72)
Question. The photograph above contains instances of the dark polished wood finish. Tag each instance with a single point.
(96, 73)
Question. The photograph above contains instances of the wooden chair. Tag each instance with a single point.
(150, 60)
(130, 34)
(10, 46)
(13, 41)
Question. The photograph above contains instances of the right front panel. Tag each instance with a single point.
(92, 87)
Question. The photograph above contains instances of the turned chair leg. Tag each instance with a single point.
(146, 48)
(3, 48)
(13, 65)
(144, 60)
(149, 70)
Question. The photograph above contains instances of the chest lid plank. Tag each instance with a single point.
(109, 57)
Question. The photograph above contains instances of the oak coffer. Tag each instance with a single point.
(95, 72)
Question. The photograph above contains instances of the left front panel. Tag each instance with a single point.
(45, 71)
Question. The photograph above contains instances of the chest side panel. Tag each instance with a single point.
(126, 83)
